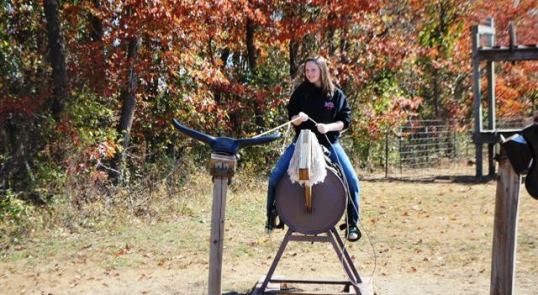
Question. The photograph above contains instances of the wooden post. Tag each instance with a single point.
(505, 228)
(400, 148)
(387, 154)
(491, 159)
(477, 106)
(490, 73)
(222, 168)
(512, 35)
(476, 32)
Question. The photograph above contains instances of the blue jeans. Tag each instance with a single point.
(337, 153)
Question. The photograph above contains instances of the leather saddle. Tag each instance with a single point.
(530, 134)
(522, 150)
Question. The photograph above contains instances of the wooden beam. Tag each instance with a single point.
(220, 187)
(222, 168)
(493, 136)
(512, 34)
(491, 159)
(478, 159)
(505, 54)
(477, 103)
(505, 229)
(490, 74)
(477, 106)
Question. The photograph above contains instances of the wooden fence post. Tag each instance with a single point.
(386, 154)
(222, 169)
(505, 228)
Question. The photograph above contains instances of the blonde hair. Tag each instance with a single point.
(327, 85)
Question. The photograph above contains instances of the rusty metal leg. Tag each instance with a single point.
(275, 261)
(346, 255)
(342, 257)
(347, 264)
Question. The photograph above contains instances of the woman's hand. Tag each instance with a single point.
(322, 128)
(299, 118)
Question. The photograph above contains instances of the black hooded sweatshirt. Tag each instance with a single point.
(309, 99)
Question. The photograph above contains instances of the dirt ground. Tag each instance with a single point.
(430, 237)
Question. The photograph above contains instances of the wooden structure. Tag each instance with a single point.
(505, 228)
(304, 143)
(222, 168)
(317, 225)
(490, 53)
(354, 285)
(518, 156)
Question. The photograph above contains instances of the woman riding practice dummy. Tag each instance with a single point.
(317, 99)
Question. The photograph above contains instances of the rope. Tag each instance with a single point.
(276, 128)
(354, 207)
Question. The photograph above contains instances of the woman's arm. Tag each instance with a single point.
(299, 118)
(343, 112)
(342, 118)
(295, 113)
(324, 128)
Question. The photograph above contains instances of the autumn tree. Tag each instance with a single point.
(99, 81)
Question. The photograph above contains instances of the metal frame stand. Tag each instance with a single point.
(330, 236)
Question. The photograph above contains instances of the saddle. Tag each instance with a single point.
(307, 207)
(531, 182)
(522, 151)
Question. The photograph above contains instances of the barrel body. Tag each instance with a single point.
(328, 204)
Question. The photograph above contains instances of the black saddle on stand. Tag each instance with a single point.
(523, 155)
(530, 134)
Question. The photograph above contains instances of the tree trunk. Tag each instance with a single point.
(128, 98)
(12, 147)
(98, 58)
(436, 93)
(17, 172)
(224, 58)
(251, 54)
(57, 59)
(96, 25)
(344, 45)
(251, 48)
(294, 51)
(330, 33)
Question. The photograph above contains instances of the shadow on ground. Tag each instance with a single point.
(466, 179)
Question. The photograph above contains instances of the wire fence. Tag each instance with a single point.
(427, 148)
